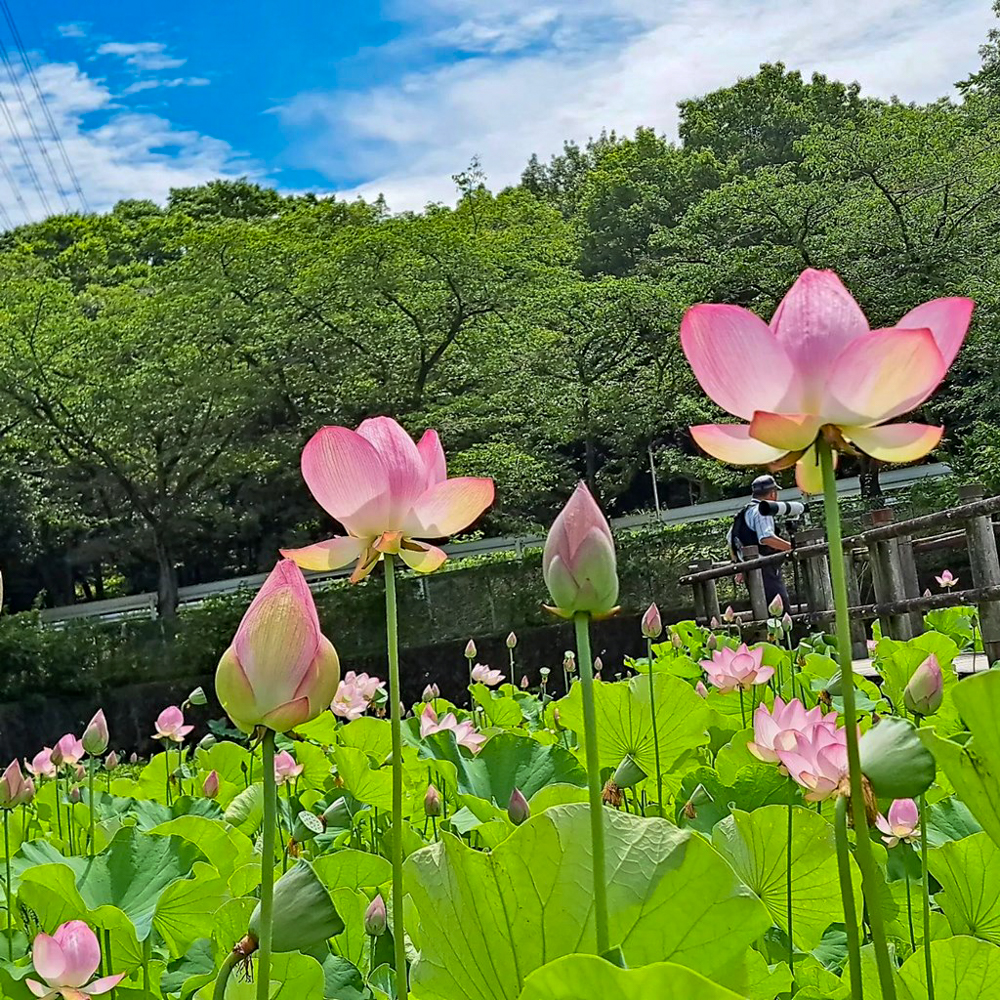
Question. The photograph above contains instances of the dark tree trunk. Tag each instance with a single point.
(871, 488)
(166, 591)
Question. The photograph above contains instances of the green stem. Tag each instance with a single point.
(847, 895)
(58, 808)
(392, 643)
(656, 735)
(266, 868)
(147, 954)
(927, 899)
(180, 769)
(222, 979)
(743, 712)
(90, 769)
(866, 861)
(582, 622)
(107, 955)
(909, 913)
(788, 895)
(513, 678)
(6, 887)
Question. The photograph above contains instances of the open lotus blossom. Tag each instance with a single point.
(946, 580)
(285, 768)
(69, 751)
(819, 369)
(41, 765)
(366, 686)
(354, 694)
(816, 760)
(388, 492)
(902, 823)
(465, 732)
(280, 671)
(742, 668)
(482, 674)
(170, 725)
(779, 726)
(66, 961)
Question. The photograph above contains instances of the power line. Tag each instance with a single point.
(22, 150)
(53, 130)
(12, 182)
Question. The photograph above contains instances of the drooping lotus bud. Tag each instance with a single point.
(628, 774)
(111, 761)
(211, 787)
(652, 623)
(303, 916)
(511, 640)
(675, 640)
(95, 736)
(895, 760)
(924, 692)
(197, 697)
(69, 750)
(432, 802)
(579, 564)
(776, 606)
(11, 786)
(786, 622)
(470, 650)
(517, 808)
(375, 917)
(714, 623)
(280, 671)
(729, 616)
(431, 692)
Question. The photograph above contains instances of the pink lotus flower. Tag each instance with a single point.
(741, 668)
(69, 751)
(387, 492)
(280, 671)
(354, 693)
(66, 961)
(211, 787)
(41, 765)
(170, 725)
(817, 760)
(95, 736)
(780, 725)
(579, 563)
(465, 732)
(285, 768)
(366, 686)
(481, 674)
(902, 823)
(15, 789)
(819, 369)
(946, 580)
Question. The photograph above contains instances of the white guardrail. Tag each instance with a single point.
(144, 605)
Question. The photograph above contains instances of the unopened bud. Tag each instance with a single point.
(712, 643)
(786, 622)
(111, 761)
(95, 736)
(729, 616)
(714, 623)
(432, 801)
(511, 640)
(598, 665)
(74, 794)
(133, 758)
(517, 808)
(524, 682)
(211, 787)
(675, 640)
(569, 661)
(776, 606)
(431, 692)
(701, 689)
(652, 623)
(470, 650)
(925, 691)
(376, 917)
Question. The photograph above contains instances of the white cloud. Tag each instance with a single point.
(75, 29)
(569, 68)
(141, 55)
(181, 81)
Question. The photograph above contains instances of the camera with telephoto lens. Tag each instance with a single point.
(781, 508)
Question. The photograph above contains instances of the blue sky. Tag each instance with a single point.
(363, 97)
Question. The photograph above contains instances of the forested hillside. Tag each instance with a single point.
(161, 367)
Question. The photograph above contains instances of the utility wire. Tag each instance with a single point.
(22, 150)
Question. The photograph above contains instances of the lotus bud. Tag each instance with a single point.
(432, 802)
(579, 564)
(431, 692)
(27, 793)
(303, 916)
(895, 760)
(111, 761)
(776, 606)
(714, 623)
(376, 917)
(675, 640)
(95, 736)
(701, 689)
(786, 622)
(927, 592)
(211, 787)
(598, 665)
(511, 640)
(628, 774)
(712, 643)
(652, 623)
(518, 809)
(197, 697)
(74, 794)
(11, 786)
(470, 650)
(924, 692)
(280, 671)
(133, 758)
(729, 616)
(524, 683)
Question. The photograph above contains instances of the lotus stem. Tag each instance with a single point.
(147, 953)
(392, 643)
(847, 895)
(267, 867)
(866, 862)
(788, 896)
(909, 913)
(928, 966)
(656, 735)
(90, 775)
(222, 979)
(6, 887)
(582, 622)
(107, 955)
(743, 711)
(58, 808)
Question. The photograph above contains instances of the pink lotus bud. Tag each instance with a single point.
(432, 802)
(69, 750)
(712, 643)
(470, 650)
(701, 689)
(11, 786)
(714, 623)
(376, 917)
(517, 808)
(285, 768)
(80, 772)
(569, 661)
(786, 622)
(598, 665)
(133, 758)
(27, 792)
(902, 823)
(776, 606)
(280, 671)
(925, 691)
(579, 564)
(41, 765)
(511, 640)
(524, 683)
(431, 692)
(729, 616)
(211, 787)
(170, 725)
(927, 592)
(66, 961)
(652, 623)
(111, 761)
(675, 640)
(95, 736)
(74, 794)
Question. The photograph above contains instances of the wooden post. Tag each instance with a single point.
(709, 591)
(985, 569)
(819, 589)
(859, 636)
(755, 584)
(911, 583)
(699, 595)
(887, 573)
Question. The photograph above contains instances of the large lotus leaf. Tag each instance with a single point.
(352, 869)
(293, 977)
(149, 814)
(754, 786)
(756, 845)
(625, 722)
(225, 847)
(487, 920)
(317, 773)
(246, 811)
(969, 873)
(974, 768)
(965, 968)
(230, 761)
(575, 977)
(374, 736)
(751, 977)
(950, 820)
(504, 713)
(366, 784)
(898, 660)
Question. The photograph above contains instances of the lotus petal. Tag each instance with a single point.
(331, 554)
(432, 454)
(402, 461)
(449, 507)
(947, 319)
(732, 443)
(787, 431)
(895, 442)
(343, 471)
(421, 556)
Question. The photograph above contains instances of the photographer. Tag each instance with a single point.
(753, 527)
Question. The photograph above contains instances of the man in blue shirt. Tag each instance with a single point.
(751, 527)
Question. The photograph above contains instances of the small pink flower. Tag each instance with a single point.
(816, 760)
(170, 725)
(66, 961)
(482, 674)
(465, 732)
(902, 823)
(780, 725)
(41, 765)
(700, 689)
(947, 579)
(285, 768)
(69, 750)
(872, 646)
(366, 686)
(349, 703)
(741, 668)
